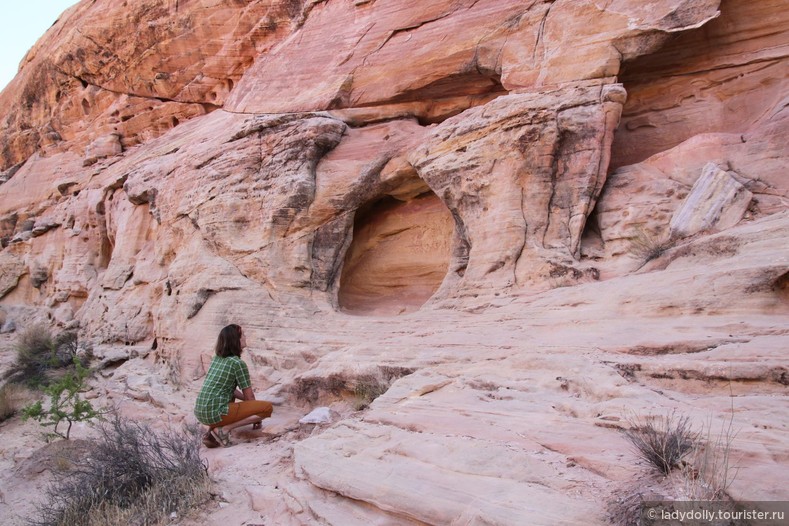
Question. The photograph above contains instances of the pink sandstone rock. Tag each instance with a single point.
(87, 78)
(724, 78)
(455, 48)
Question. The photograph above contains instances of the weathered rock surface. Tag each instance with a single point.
(464, 48)
(525, 169)
(436, 204)
(645, 196)
(705, 81)
(86, 78)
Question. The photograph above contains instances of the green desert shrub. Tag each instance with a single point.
(131, 475)
(65, 405)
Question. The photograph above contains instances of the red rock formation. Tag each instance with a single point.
(706, 81)
(454, 49)
(133, 69)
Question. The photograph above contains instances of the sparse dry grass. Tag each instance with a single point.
(645, 246)
(311, 388)
(710, 470)
(35, 353)
(693, 467)
(367, 388)
(662, 441)
(10, 400)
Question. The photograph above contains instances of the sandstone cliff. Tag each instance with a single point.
(527, 219)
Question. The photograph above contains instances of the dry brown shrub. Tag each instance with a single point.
(646, 247)
(662, 441)
(690, 469)
(130, 475)
(11, 396)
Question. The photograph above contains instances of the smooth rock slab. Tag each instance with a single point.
(372, 463)
(717, 200)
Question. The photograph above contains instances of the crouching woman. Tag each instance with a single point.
(227, 380)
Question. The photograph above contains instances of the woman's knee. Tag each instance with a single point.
(264, 409)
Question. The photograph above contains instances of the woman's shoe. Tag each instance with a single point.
(209, 441)
(221, 436)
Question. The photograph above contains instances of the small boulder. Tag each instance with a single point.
(319, 415)
(716, 201)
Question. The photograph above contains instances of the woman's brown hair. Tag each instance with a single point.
(229, 341)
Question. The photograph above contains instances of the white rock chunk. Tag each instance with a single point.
(716, 201)
(319, 415)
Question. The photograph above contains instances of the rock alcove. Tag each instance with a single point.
(398, 257)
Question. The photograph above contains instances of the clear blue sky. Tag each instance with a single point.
(22, 23)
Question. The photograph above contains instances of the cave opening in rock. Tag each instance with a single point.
(398, 256)
(781, 287)
(592, 244)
